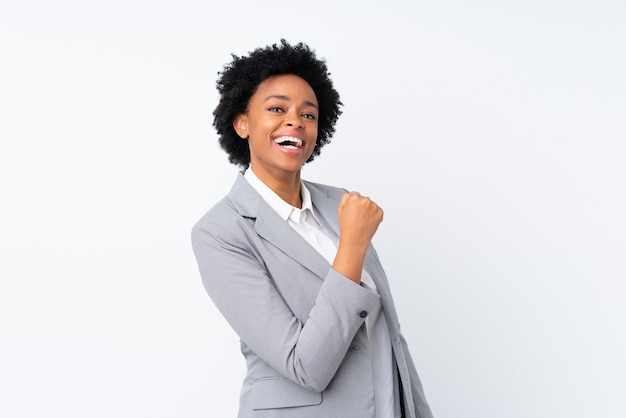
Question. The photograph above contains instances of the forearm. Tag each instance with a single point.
(349, 261)
(326, 336)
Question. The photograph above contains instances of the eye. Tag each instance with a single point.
(309, 116)
(275, 109)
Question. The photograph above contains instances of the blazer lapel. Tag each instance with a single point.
(375, 269)
(325, 205)
(275, 230)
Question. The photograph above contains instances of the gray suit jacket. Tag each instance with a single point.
(300, 322)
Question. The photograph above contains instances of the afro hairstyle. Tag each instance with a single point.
(240, 79)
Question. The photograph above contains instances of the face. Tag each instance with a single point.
(280, 126)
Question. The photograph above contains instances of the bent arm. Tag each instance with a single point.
(236, 279)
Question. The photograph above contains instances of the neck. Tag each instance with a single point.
(286, 186)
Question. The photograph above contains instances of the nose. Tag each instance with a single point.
(293, 119)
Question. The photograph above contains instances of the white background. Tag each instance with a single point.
(491, 132)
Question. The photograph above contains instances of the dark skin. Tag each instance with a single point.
(280, 126)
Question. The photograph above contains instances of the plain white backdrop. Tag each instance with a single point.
(491, 132)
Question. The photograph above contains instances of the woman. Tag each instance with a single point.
(289, 263)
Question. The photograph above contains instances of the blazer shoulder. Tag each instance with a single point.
(223, 216)
(331, 191)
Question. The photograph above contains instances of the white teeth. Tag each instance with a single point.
(289, 142)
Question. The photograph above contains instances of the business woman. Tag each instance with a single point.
(289, 263)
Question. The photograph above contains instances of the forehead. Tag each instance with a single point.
(287, 85)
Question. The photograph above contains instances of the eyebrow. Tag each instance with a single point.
(280, 97)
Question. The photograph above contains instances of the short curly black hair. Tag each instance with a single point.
(240, 78)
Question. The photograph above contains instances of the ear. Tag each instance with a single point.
(240, 123)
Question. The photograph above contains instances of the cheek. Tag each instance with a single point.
(314, 136)
(311, 147)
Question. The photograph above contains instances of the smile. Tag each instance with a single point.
(288, 142)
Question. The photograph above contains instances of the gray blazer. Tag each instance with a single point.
(300, 322)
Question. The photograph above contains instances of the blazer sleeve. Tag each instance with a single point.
(235, 278)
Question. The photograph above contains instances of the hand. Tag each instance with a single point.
(359, 218)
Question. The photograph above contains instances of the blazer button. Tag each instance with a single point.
(363, 314)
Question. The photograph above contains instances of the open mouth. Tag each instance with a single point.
(288, 142)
